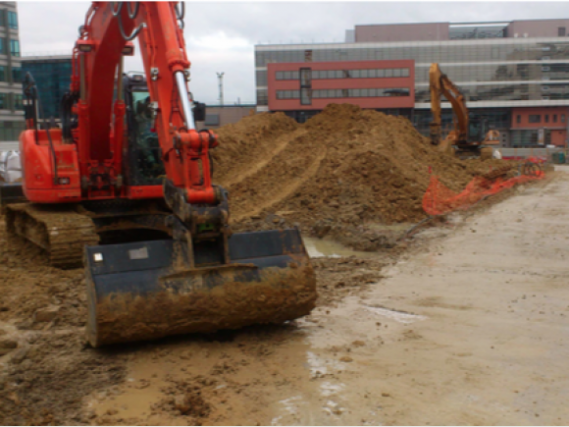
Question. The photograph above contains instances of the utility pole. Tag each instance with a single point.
(220, 78)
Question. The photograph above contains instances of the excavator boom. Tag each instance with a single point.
(441, 85)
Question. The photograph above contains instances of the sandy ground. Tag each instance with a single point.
(465, 327)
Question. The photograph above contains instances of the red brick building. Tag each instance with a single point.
(369, 84)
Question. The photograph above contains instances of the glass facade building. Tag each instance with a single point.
(52, 75)
(11, 109)
(496, 68)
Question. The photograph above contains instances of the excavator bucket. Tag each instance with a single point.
(138, 291)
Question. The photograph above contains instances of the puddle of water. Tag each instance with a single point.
(134, 402)
(317, 248)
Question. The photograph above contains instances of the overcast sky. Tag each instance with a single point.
(221, 36)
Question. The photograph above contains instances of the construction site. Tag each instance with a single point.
(346, 270)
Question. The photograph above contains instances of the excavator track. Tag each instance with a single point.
(61, 231)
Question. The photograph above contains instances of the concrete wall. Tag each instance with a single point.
(402, 32)
(227, 114)
(538, 28)
(9, 146)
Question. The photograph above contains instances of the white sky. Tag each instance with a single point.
(221, 36)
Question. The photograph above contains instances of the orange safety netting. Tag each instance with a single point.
(440, 200)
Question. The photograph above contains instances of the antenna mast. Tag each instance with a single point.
(220, 78)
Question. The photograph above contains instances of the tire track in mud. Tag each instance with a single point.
(280, 144)
(295, 162)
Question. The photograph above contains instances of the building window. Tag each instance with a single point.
(561, 31)
(555, 118)
(17, 75)
(535, 118)
(1, 18)
(562, 118)
(2, 101)
(518, 119)
(13, 20)
(2, 48)
(305, 98)
(356, 93)
(15, 47)
(364, 73)
(18, 101)
(547, 118)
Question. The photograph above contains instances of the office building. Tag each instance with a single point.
(11, 107)
(513, 74)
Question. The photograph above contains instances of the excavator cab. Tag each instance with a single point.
(144, 163)
(476, 129)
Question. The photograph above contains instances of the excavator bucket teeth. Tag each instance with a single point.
(136, 292)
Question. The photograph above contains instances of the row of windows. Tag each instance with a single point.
(344, 74)
(456, 51)
(12, 19)
(9, 100)
(521, 92)
(495, 118)
(512, 92)
(14, 47)
(530, 138)
(498, 72)
(344, 93)
(536, 118)
(458, 74)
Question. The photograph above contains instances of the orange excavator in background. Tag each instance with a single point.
(126, 184)
(469, 138)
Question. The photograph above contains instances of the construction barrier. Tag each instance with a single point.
(440, 200)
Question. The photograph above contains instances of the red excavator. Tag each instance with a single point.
(126, 183)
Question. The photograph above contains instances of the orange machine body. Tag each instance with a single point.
(87, 162)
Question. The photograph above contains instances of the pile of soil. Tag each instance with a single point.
(346, 165)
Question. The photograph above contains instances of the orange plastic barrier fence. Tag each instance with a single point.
(440, 200)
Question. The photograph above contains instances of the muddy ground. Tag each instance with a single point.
(390, 339)
(461, 323)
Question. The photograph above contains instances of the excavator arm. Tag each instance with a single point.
(205, 278)
(439, 85)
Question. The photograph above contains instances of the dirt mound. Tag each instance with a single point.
(248, 142)
(345, 165)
